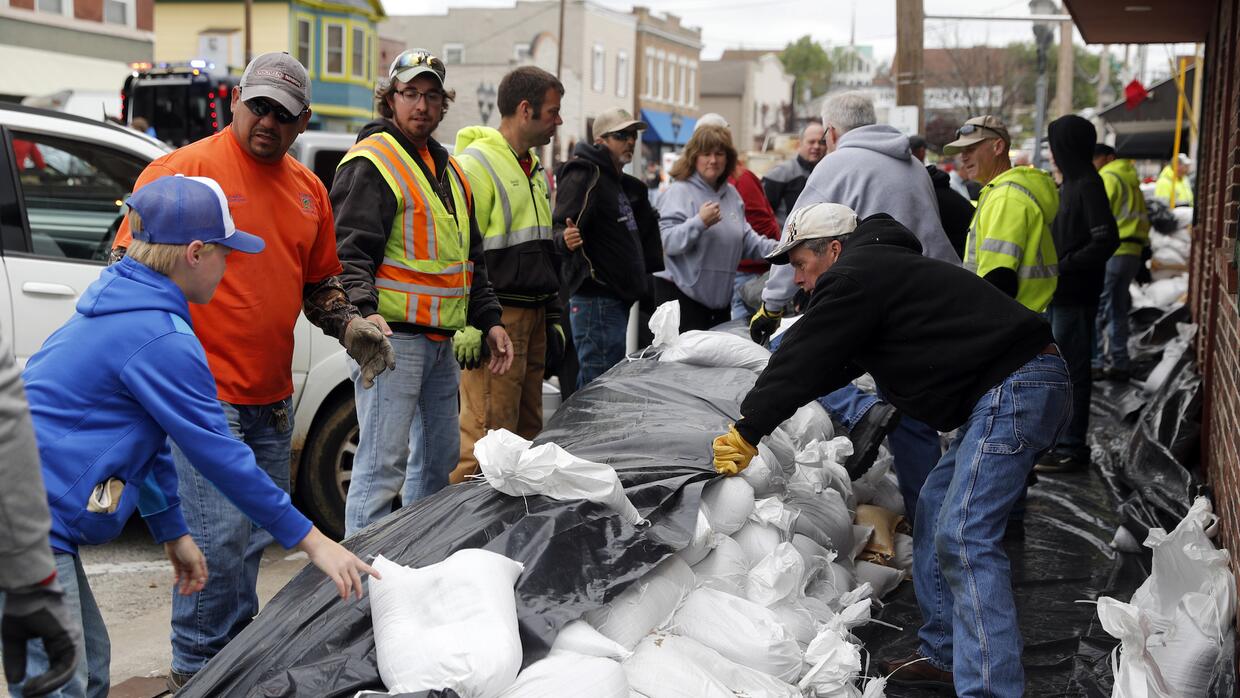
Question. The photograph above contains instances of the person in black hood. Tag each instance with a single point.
(608, 236)
(965, 357)
(1086, 235)
(955, 211)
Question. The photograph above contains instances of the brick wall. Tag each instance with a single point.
(1213, 305)
(145, 12)
(90, 10)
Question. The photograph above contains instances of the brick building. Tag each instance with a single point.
(1212, 294)
(667, 78)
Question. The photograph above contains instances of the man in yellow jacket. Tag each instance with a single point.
(1128, 206)
(1009, 242)
(1174, 178)
(513, 208)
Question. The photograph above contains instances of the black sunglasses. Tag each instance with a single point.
(261, 108)
(970, 129)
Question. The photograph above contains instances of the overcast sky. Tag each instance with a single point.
(773, 23)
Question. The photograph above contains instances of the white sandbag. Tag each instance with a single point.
(568, 675)
(741, 631)
(1165, 293)
(658, 654)
(515, 467)
(903, 559)
(773, 512)
(815, 556)
(779, 445)
(831, 664)
(883, 579)
(823, 517)
(1190, 647)
(654, 673)
(1185, 562)
(830, 584)
(799, 621)
(764, 479)
(422, 643)
(1135, 671)
(1170, 357)
(716, 350)
(727, 502)
(862, 533)
(825, 460)
(665, 324)
(1183, 217)
(645, 604)
(810, 423)
(757, 540)
(878, 486)
(726, 568)
(701, 544)
(579, 637)
(776, 576)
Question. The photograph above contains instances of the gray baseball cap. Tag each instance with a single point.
(280, 77)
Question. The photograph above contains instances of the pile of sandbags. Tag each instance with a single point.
(1177, 633)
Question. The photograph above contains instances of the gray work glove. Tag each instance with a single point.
(366, 345)
(38, 612)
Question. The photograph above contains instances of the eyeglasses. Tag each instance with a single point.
(413, 59)
(434, 98)
(261, 108)
(970, 129)
(623, 135)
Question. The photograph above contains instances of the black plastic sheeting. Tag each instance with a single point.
(652, 421)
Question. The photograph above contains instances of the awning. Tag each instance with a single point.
(1145, 22)
(659, 128)
(1148, 132)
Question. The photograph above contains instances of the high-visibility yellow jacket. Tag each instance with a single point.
(1127, 205)
(513, 211)
(1011, 229)
(426, 274)
(1167, 181)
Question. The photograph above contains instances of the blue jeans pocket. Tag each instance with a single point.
(1030, 413)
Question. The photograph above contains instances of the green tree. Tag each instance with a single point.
(808, 62)
(1085, 80)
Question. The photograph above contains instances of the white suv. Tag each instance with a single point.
(59, 210)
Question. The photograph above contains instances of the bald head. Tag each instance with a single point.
(813, 144)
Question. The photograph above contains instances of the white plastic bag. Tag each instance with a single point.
(716, 350)
(513, 466)
(757, 540)
(772, 512)
(645, 604)
(579, 637)
(739, 680)
(776, 576)
(1171, 355)
(1185, 562)
(665, 324)
(831, 664)
(568, 675)
(810, 423)
(1136, 673)
(741, 631)
(726, 568)
(727, 501)
(764, 479)
(423, 643)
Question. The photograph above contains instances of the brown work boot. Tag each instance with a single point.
(916, 670)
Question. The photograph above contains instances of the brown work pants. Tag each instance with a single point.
(512, 401)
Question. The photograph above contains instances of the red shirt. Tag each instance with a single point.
(757, 211)
(247, 328)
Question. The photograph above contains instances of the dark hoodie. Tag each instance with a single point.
(933, 334)
(1084, 229)
(364, 207)
(955, 211)
(612, 260)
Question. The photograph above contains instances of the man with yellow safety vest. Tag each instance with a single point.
(413, 264)
(1009, 242)
(1174, 179)
(513, 208)
(1128, 206)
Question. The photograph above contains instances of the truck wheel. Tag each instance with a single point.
(327, 466)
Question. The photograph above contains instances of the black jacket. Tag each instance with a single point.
(934, 335)
(784, 183)
(611, 260)
(1084, 230)
(364, 207)
(955, 211)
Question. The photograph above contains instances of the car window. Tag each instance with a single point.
(73, 191)
(326, 161)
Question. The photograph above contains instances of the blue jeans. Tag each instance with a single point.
(848, 404)
(960, 570)
(1112, 330)
(600, 326)
(95, 650)
(409, 430)
(1073, 326)
(203, 623)
(740, 311)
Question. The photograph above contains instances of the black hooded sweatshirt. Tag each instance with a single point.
(1084, 230)
(934, 335)
(954, 210)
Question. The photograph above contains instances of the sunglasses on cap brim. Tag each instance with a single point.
(415, 59)
(970, 129)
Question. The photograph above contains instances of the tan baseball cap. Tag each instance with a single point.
(976, 130)
(813, 222)
(615, 121)
(280, 77)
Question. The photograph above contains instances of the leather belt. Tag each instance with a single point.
(1050, 349)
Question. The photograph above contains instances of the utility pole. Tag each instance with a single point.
(1067, 70)
(910, 57)
(559, 73)
(1105, 96)
(249, 10)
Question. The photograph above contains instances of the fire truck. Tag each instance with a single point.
(181, 102)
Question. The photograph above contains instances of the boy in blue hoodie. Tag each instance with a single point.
(121, 377)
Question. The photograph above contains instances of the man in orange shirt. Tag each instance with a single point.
(247, 332)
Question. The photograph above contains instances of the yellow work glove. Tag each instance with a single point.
(763, 324)
(732, 452)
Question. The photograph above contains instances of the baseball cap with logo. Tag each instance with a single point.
(414, 62)
(813, 222)
(976, 130)
(178, 210)
(280, 77)
(615, 121)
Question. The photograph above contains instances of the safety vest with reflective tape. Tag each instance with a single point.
(1127, 205)
(426, 272)
(1011, 229)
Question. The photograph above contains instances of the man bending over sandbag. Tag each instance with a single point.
(966, 357)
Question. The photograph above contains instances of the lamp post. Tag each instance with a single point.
(1043, 34)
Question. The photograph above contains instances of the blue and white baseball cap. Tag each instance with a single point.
(178, 210)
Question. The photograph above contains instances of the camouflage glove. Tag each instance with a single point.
(366, 345)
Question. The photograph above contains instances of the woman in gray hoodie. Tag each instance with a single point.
(705, 235)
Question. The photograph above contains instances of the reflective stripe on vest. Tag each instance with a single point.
(1038, 272)
(495, 240)
(426, 274)
(1133, 220)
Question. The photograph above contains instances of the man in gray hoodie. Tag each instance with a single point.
(870, 169)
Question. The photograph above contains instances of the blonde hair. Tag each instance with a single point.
(705, 140)
(157, 256)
